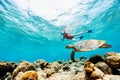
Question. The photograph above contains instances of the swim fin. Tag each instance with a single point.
(81, 37)
(89, 31)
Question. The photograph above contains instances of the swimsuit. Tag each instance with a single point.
(68, 36)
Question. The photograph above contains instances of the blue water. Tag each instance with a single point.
(30, 30)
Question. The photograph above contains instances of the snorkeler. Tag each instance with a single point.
(72, 36)
(66, 35)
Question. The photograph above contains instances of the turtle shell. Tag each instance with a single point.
(88, 45)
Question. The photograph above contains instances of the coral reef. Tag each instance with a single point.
(92, 72)
(28, 75)
(112, 59)
(96, 58)
(40, 64)
(22, 67)
(61, 76)
(6, 67)
(94, 68)
(112, 77)
(104, 67)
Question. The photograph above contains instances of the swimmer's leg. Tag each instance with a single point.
(89, 31)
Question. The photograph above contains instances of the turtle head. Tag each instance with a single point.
(105, 46)
(69, 46)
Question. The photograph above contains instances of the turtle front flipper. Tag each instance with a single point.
(105, 46)
(72, 55)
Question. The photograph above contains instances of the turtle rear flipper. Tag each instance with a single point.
(105, 46)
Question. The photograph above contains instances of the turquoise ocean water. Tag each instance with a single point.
(30, 29)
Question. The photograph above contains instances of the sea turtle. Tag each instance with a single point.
(87, 45)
